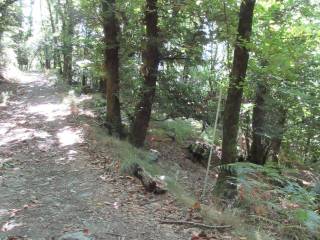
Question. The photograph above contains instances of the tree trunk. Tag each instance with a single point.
(47, 57)
(56, 59)
(67, 32)
(276, 140)
(259, 148)
(237, 77)
(1, 57)
(151, 59)
(102, 86)
(111, 66)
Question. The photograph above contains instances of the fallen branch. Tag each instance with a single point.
(148, 182)
(115, 234)
(195, 224)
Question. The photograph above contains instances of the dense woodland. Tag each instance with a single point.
(238, 81)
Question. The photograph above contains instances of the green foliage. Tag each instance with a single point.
(179, 129)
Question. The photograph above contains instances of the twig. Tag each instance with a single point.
(195, 224)
(115, 234)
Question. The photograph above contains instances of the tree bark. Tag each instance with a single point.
(259, 147)
(47, 57)
(111, 66)
(56, 60)
(67, 31)
(151, 59)
(237, 78)
(276, 140)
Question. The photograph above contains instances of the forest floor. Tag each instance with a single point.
(62, 178)
(50, 187)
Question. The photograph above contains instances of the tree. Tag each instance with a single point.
(259, 150)
(237, 78)
(151, 59)
(6, 18)
(111, 66)
(68, 21)
(56, 54)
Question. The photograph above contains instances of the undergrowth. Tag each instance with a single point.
(129, 155)
(179, 129)
(273, 202)
(279, 199)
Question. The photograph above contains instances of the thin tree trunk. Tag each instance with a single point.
(103, 86)
(55, 38)
(276, 141)
(258, 151)
(151, 59)
(111, 60)
(237, 78)
(67, 32)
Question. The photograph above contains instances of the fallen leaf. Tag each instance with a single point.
(86, 231)
(9, 226)
(196, 206)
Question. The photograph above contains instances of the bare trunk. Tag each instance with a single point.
(56, 58)
(102, 86)
(259, 147)
(237, 77)
(111, 60)
(47, 58)
(276, 140)
(67, 31)
(150, 56)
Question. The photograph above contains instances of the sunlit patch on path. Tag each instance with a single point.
(69, 136)
(50, 111)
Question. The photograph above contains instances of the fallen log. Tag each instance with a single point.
(195, 224)
(149, 183)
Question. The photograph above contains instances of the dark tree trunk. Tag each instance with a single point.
(260, 145)
(67, 29)
(276, 140)
(111, 60)
(83, 79)
(151, 58)
(103, 86)
(47, 65)
(67, 63)
(237, 77)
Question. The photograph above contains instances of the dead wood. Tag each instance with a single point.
(195, 224)
(148, 182)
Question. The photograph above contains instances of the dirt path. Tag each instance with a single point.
(47, 188)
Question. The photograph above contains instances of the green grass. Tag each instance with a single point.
(185, 129)
(181, 129)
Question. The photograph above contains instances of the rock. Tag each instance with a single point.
(200, 152)
(75, 236)
(154, 155)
